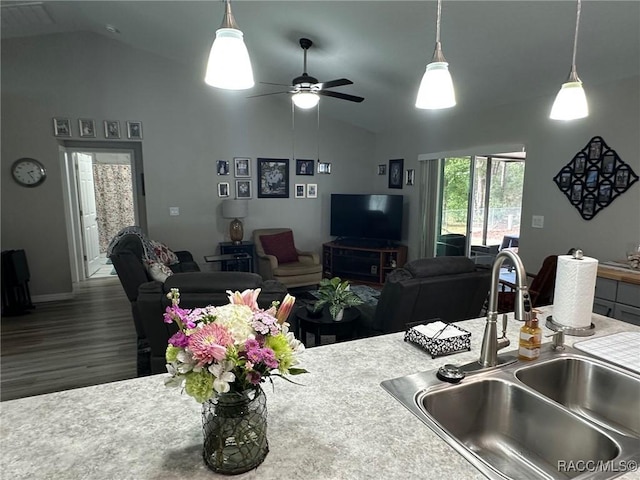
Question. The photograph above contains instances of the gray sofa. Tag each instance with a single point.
(449, 288)
(197, 289)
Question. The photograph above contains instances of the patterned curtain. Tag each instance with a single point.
(114, 200)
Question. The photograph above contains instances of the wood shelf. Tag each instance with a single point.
(361, 264)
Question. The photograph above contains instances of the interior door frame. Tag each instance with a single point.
(70, 192)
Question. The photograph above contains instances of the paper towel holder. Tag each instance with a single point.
(573, 331)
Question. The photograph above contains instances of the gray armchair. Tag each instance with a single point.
(279, 259)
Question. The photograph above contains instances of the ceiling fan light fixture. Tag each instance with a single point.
(305, 100)
(571, 101)
(229, 66)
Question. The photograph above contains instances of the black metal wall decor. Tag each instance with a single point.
(594, 178)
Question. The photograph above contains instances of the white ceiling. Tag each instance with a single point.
(499, 51)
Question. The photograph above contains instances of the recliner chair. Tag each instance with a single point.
(127, 258)
(448, 288)
(197, 289)
(279, 259)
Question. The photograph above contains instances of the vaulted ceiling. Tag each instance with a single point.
(499, 52)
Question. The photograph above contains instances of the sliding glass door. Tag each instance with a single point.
(480, 205)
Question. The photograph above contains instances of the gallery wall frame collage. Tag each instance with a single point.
(62, 127)
(272, 177)
(396, 169)
(594, 178)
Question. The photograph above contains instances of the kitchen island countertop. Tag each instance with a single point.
(339, 425)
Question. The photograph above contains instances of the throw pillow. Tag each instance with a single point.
(158, 271)
(164, 254)
(281, 246)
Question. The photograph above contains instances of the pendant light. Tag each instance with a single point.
(571, 102)
(229, 66)
(436, 88)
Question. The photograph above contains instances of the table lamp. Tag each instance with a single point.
(235, 209)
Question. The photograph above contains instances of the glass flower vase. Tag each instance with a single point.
(234, 425)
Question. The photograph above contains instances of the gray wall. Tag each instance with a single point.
(187, 126)
(614, 115)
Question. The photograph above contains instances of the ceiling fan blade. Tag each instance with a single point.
(334, 83)
(341, 96)
(278, 84)
(265, 94)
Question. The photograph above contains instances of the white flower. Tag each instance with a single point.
(186, 361)
(296, 345)
(237, 320)
(223, 376)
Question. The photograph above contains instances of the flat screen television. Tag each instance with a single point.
(358, 216)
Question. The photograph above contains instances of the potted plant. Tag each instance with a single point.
(336, 294)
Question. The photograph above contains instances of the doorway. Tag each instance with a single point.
(103, 195)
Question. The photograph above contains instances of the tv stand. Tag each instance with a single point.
(359, 263)
(364, 242)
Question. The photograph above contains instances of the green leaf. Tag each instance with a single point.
(297, 371)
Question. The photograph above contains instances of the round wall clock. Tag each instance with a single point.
(28, 172)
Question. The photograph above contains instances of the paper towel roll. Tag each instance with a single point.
(574, 290)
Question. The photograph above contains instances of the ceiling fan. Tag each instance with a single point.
(307, 89)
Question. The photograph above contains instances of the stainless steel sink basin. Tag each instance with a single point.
(526, 420)
(493, 418)
(605, 396)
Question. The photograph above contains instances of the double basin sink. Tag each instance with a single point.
(565, 415)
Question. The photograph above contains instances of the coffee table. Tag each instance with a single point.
(325, 325)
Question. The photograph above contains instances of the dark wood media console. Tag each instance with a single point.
(361, 264)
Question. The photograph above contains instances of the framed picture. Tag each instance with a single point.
(222, 167)
(312, 190)
(588, 206)
(273, 178)
(111, 129)
(595, 149)
(134, 130)
(622, 178)
(304, 167)
(395, 173)
(299, 189)
(604, 193)
(608, 163)
(576, 192)
(61, 127)
(411, 177)
(243, 188)
(324, 167)
(223, 189)
(87, 127)
(592, 178)
(242, 167)
(382, 169)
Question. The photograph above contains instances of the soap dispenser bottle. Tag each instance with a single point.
(530, 338)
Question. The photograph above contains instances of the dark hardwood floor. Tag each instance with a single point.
(69, 344)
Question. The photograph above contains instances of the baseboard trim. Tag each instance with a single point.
(54, 297)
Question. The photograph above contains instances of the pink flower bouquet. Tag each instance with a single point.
(230, 348)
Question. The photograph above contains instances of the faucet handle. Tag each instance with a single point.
(558, 340)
